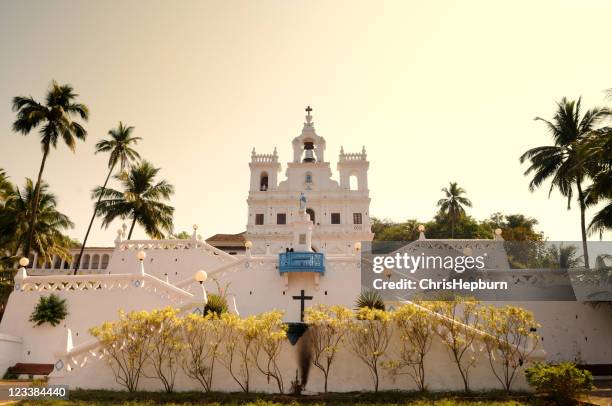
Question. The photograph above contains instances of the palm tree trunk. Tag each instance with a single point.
(132, 227)
(26, 251)
(78, 261)
(583, 223)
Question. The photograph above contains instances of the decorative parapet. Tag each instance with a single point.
(174, 244)
(58, 283)
(264, 158)
(78, 357)
(353, 156)
(94, 260)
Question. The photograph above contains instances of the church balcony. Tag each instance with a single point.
(301, 262)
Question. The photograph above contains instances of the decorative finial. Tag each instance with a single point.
(341, 150)
(498, 234)
(235, 308)
(253, 152)
(275, 152)
(24, 262)
(363, 151)
(308, 116)
(119, 236)
(69, 344)
(421, 229)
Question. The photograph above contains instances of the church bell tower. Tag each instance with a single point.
(309, 212)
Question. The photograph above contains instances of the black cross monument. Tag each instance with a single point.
(302, 299)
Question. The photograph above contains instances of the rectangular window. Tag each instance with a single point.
(356, 218)
(302, 239)
(335, 218)
(281, 218)
(259, 219)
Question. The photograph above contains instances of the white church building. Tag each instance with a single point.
(304, 232)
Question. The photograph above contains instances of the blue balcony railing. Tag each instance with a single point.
(301, 262)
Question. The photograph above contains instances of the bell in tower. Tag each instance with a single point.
(309, 152)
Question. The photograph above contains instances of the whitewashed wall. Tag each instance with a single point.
(10, 351)
(88, 305)
(348, 374)
(179, 259)
(572, 331)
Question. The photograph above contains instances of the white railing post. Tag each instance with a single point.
(20, 278)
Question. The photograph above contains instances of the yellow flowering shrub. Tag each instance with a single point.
(415, 325)
(457, 328)
(369, 338)
(235, 353)
(127, 344)
(166, 345)
(327, 327)
(159, 342)
(202, 338)
(270, 335)
(511, 338)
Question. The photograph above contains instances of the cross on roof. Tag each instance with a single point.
(308, 110)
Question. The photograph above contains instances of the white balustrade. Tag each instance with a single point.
(173, 244)
(57, 283)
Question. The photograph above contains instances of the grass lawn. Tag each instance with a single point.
(89, 397)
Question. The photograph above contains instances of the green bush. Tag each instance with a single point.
(370, 299)
(50, 309)
(563, 382)
(216, 304)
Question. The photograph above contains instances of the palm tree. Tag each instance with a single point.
(141, 200)
(453, 204)
(49, 239)
(121, 151)
(563, 256)
(598, 161)
(5, 186)
(562, 161)
(54, 119)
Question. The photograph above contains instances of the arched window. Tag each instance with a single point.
(105, 259)
(353, 182)
(263, 181)
(311, 213)
(95, 261)
(308, 177)
(85, 264)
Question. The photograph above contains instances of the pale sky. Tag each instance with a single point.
(437, 91)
